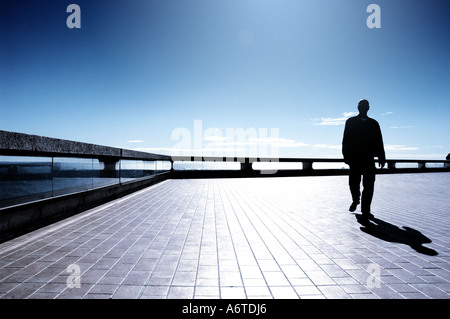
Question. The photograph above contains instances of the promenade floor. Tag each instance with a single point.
(243, 238)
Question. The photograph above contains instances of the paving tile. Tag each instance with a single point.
(320, 277)
(403, 288)
(405, 275)
(386, 292)
(207, 272)
(283, 292)
(43, 295)
(181, 292)
(22, 291)
(293, 271)
(207, 292)
(334, 271)
(105, 263)
(364, 296)
(334, 292)
(207, 282)
(431, 291)
(159, 281)
(355, 289)
(250, 272)
(230, 278)
(307, 290)
(414, 295)
(232, 293)
(184, 278)
(258, 291)
(120, 270)
(127, 292)
(158, 292)
(136, 277)
(75, 293)
(52, 288)
(103, 289)
(276, 278)
(313, 297)
(443, 286)
(7, 286)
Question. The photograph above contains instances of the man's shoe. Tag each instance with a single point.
(368, 215)
(363, 220)
(353, 206)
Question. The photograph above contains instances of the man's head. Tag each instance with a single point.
(363, 106)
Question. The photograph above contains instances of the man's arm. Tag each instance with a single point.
(380, 147)
(345, 143)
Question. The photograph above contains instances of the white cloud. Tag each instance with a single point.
(235, 148)
(416, 156)
(276, 142)
(334, 121)
(214, 138)
(136, 141)
(400, 148)
(387, 113)
(334, 147)
(401, 127)
(349, 114)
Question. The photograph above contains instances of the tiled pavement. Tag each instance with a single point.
(243, 238)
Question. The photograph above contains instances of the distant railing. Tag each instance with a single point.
(202, 167)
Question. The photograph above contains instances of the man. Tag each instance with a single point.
(362, 142)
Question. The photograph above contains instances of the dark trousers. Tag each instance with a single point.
(366, 170)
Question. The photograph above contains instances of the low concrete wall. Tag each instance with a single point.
(19, 144)
(20, 219)
(25, 144)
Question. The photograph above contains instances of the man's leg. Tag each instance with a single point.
(354, 181)
(368, 188)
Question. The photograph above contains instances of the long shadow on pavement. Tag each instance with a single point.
(391, 233)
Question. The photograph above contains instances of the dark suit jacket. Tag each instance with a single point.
(362, 140)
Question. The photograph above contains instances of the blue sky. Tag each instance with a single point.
(140, 74)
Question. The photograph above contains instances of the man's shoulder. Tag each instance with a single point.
(358, 118)
(373, 121)
(352, 119)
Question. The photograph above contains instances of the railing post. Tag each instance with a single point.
(109, 168)
(171, 166)
(391, 165)
(307, 165)
(421, 165)
(246, 165)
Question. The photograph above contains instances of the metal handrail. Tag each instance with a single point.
(307, 162)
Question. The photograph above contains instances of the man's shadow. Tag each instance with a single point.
(391, 233)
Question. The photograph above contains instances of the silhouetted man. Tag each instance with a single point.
(362, 142)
